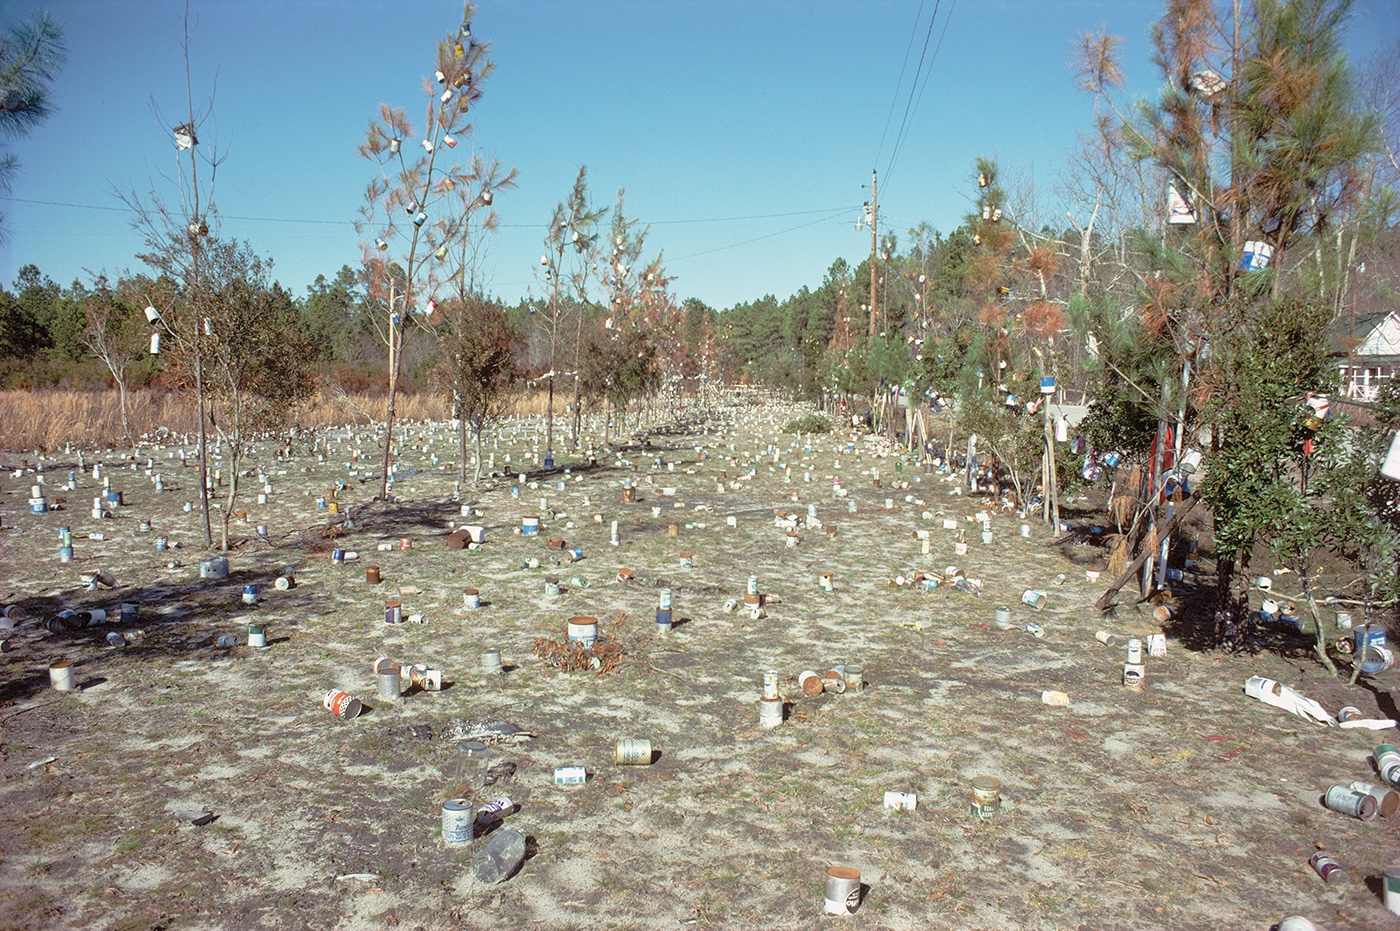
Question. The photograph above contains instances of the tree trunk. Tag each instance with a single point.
(462, 450)
(126, 423)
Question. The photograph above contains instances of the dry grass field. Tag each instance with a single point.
(1186, 805)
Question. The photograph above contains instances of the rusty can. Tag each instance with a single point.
(372, 575)
(1387, 799)
(810, 682)
(842, 890)
(986, 796)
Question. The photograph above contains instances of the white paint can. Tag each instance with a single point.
(61, 675)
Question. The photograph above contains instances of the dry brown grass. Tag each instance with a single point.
(48, 419)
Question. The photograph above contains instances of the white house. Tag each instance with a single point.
(1376, 358)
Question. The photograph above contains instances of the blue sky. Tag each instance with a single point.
(744, 132)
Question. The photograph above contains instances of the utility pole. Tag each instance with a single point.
(874, 221)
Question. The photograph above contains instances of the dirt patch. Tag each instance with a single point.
(1186, 805)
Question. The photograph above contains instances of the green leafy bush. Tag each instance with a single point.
(812, 423)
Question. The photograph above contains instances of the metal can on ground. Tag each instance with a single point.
(61, 675)
(663, 619)
(1034, 597)
(1327, 867)
(491, 661)
(1388, 763)
(855, 678)
(1002, 617)
(1387, 800)
(633, 752)
(1390, 887)
(1296, 923)
(1105, 638)
(393, 612)
(583, 630)
(1348, 801)
(770, 711)
(390, 685)
(1134, 650)
(986, 796)
(810, 682)
(342, 704)
(372, 575)
(842, 890)
(257, 635)
(1133, 674)
(457, 819)
(471, 598)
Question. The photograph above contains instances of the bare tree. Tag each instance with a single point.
(415, 184)
(175, 237)
(111, 334)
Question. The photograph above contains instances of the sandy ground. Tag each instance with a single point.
(1185, 805)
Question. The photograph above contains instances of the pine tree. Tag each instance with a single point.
(30, 55)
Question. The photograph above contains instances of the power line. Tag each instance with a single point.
(229, 216)
(936, 49)
(913, 88)
(914, 31)
(830, 215)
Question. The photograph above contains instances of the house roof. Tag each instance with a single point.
(1365, 327)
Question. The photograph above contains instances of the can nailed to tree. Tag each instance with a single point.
(986, 796)
(842, 890)
(1327, 867)
(633, 752)
(342, 704)
(1387, 800)
(1348, 801)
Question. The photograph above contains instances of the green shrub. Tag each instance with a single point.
(812, 423)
